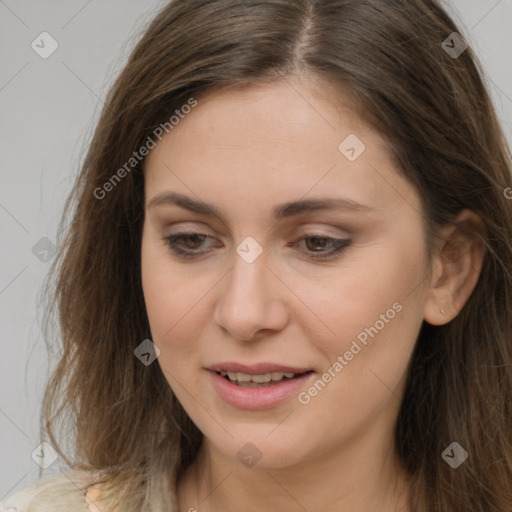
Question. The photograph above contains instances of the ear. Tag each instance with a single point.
(457, 264)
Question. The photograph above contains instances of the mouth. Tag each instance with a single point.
(263, 380)
(258, 386)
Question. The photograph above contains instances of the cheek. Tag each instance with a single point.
(164, 314)
(173, 304)
(374, 310)
(159, 285)
(366, 360)
(153, 286)
(375, 293)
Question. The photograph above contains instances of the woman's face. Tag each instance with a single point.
(268, 290)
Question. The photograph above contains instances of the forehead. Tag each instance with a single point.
(289, 110)
(274, 142)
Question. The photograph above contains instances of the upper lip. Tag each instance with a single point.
(256, 369)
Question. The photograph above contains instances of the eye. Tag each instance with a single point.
(316, 243)
(189, 245)
(175, 244)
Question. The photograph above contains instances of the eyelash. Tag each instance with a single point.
(339, 243)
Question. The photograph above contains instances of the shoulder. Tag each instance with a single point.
(63, 492)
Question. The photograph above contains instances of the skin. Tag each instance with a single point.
(246, 151)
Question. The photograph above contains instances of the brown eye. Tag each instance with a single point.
(188, 245)
(313, 242)
(315, 245)
(196, 240)
(179, 244)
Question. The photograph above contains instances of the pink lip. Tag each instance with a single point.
(256, 369)
(254, 399)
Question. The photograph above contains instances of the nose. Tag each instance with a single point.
(250, 302)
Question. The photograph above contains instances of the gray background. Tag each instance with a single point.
(48, 109)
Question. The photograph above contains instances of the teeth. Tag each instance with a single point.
(262, 378)
(239, 377)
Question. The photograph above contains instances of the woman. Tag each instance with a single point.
(287, 281)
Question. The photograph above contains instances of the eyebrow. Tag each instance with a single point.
(279, 212)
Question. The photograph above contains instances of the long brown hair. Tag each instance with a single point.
(443, 133)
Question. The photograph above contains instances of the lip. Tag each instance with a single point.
(254, 399)
(256, 369)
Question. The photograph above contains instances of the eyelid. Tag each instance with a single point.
(192, 227)
(325, 231)
(304, 231)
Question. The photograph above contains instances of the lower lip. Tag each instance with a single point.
(254, 399)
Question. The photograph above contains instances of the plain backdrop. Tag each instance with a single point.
(48, 107)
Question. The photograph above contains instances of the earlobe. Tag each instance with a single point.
(456, 268)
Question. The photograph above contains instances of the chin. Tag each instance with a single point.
(255, 448)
